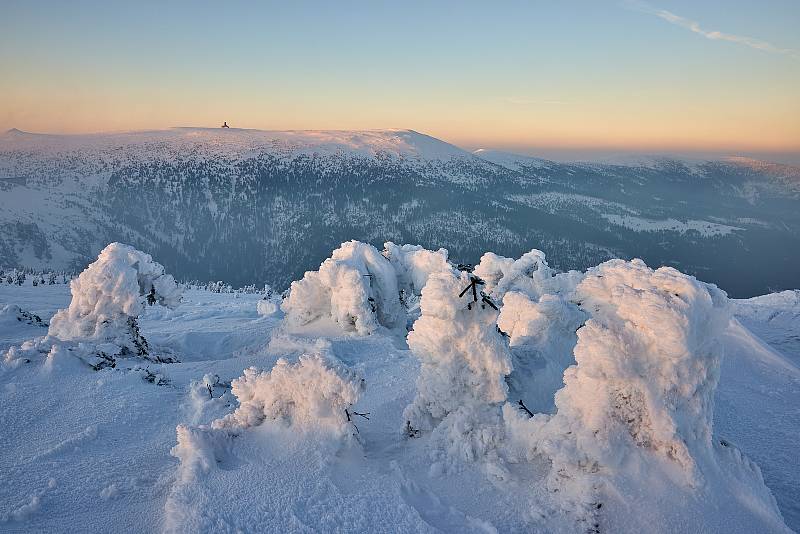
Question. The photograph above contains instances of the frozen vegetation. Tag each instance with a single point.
(391, 390)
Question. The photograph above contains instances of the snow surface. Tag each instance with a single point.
(254, 412)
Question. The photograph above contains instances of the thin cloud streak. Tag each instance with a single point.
(713, 35)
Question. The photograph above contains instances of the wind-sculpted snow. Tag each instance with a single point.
(295, 427)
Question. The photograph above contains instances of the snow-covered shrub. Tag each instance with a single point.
(529, 274)
(267, 307)
(109, 296)
(648, 362)
(10, 314)
(313, 393)
(464, 360)
(414, 264)
(356, 287)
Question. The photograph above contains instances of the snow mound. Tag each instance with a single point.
(464, 362)
(110, 294)
(356, 287)
(640, 399)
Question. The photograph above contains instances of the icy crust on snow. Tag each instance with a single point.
(640, 400)
(110, 294)
(464, 361)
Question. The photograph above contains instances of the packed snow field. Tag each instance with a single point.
(390, 391)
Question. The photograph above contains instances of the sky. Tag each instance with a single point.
(539, 77)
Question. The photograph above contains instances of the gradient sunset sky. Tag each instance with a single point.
(535, 77)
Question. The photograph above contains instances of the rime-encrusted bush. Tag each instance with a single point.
(101, 322)
(414, 264)
(315, 392)
(109, 296)
(312, 395)
(529, 274)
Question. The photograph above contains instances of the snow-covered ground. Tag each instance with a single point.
(97, 451)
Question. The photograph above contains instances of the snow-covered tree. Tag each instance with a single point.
(413, 265)
(640, 399)
(109, 296)
(529, 274)
(465, 361)
(356, 287)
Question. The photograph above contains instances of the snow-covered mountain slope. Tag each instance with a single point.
(250, 206)
(89, 451)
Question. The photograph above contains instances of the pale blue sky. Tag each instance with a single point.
(522, 75)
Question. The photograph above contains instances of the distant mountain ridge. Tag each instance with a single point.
(253, 206)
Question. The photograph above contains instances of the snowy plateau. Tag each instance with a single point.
(563, 348)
